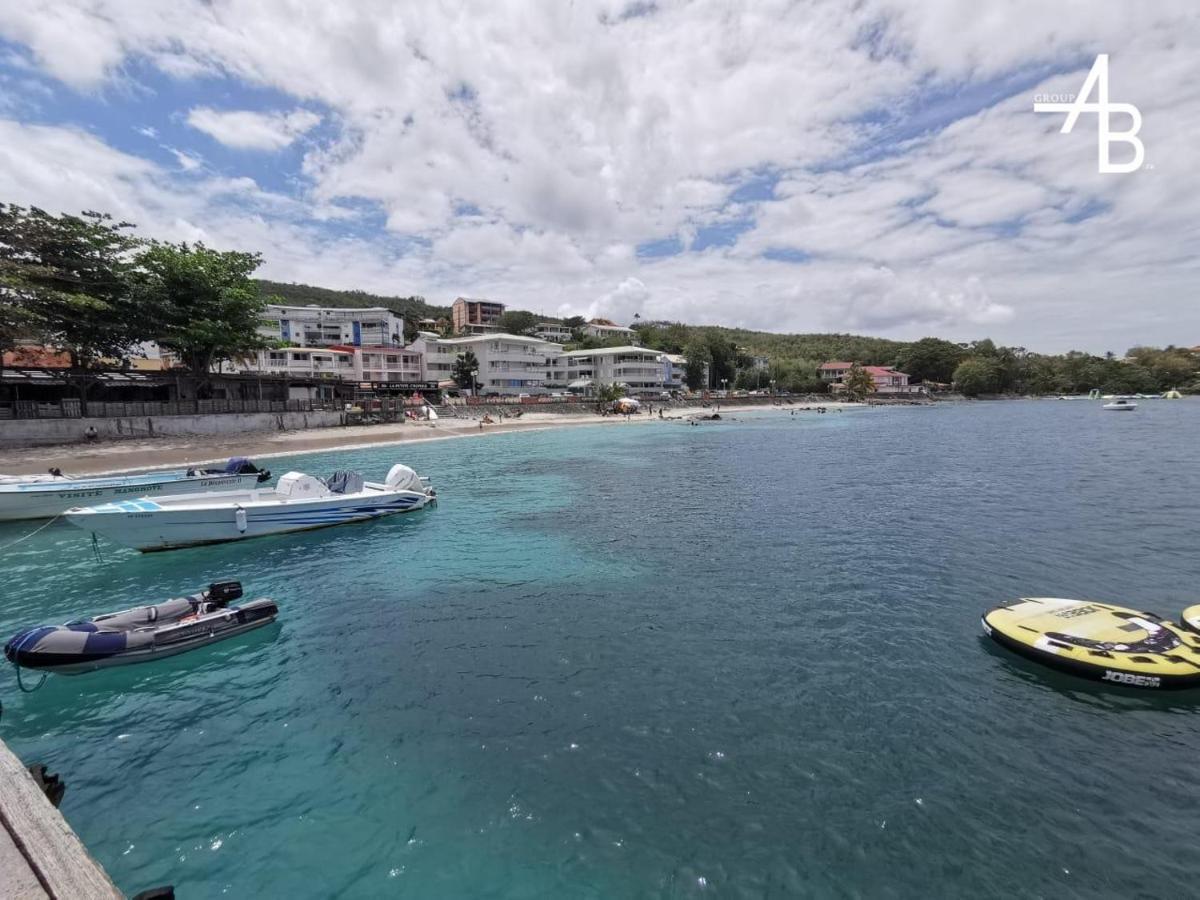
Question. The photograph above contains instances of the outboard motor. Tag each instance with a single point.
(240, 465)
(221, 593)
(401, 478)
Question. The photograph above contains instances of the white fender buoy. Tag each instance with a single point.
(240, 518)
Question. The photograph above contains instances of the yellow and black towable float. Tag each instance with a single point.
(1189, 619)
(1101, 641)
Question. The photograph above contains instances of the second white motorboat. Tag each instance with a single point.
(45, 496)
(1120, 405)
(297, 503)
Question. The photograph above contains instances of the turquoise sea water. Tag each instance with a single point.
(742, 659)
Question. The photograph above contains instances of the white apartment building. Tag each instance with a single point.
(374, 364)
(508, 363)
(606, 331)
(638, 369)
(328, 326)
(674, 371)
(301, 362)
(553, 331)
(387, 364)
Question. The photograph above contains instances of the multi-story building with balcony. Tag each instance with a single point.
(301, 362)
(887, 380)
(637, 369)
(553, 331)
(674, 371)
(378, 365)
(508, 363)
(326, 326)
(605, 329)
(475, 316)
(386, 364)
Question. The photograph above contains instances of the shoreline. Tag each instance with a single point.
(143, 455)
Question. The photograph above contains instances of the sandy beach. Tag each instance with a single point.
(171, 452)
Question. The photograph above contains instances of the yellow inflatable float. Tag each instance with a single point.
(1101, 641)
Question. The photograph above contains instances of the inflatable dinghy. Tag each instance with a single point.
(142, 634)
(1099, 641)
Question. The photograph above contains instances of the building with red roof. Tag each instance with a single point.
(887, 380)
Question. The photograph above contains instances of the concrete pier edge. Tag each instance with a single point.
(40, 856)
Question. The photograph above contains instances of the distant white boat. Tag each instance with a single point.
(297, 503)
(1120, 405)
(45, 496)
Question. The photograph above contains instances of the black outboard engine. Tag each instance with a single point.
(221, 593)
(240, 465)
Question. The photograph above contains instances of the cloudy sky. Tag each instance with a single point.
(873, 166)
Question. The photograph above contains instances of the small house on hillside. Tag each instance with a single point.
(887, 380)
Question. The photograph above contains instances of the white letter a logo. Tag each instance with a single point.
(1098, 78)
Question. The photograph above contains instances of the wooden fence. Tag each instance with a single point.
(73, 409)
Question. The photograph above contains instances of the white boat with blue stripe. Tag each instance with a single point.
(46, 496)
(297, 503)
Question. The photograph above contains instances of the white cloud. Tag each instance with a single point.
(246, 130)
(188, 162)
(572, 134)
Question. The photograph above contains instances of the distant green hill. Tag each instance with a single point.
(674, 337)
(661, 335)
(304, 294)
(871, 351)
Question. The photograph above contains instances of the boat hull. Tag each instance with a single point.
(67, 650)
(44, 500)
(172, 529)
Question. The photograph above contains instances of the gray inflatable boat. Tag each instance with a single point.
(142, 634)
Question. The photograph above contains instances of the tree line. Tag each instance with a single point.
(86, 284)
(976, 368)
(983, 367)
(89, 287)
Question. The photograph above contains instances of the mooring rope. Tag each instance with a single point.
(17, 666)
(26, 537)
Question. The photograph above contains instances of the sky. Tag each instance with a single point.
(872, 166)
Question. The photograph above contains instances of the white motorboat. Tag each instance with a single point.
(44, 496)
(297, 503)
(1120, 404)
(55, 475)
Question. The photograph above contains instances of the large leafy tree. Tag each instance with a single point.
(206, 305)
(858, 382)
(465, 366)
(725, 357)
(517, 321)
(697, 358)
(607, 393)
(66, 281)
(930, 359)
(979, 375)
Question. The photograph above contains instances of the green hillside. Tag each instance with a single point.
(303, 294)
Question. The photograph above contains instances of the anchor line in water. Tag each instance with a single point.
(26, 537)
(17, 666)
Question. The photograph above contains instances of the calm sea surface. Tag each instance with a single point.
(742, 659)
